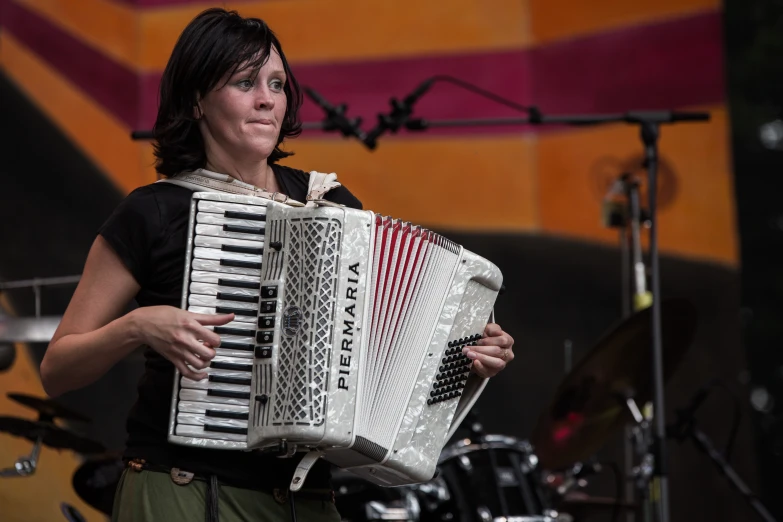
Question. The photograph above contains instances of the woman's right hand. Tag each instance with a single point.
(180, 336)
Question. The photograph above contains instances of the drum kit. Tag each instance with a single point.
(481, 477)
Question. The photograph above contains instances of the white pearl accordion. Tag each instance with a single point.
(347, 339)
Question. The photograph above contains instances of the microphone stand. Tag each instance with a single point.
(649, 123)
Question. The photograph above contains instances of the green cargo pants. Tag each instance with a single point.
(151, 496)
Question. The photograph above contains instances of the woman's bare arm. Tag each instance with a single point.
(94, 335)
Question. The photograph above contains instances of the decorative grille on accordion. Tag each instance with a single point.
(356, 343)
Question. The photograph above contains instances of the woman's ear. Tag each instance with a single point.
(197, 112)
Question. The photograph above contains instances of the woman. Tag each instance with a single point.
(228, 100)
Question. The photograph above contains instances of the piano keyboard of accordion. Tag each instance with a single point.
(222, 275)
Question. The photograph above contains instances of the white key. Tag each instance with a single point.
(199, 276)
(244, 319)
(199, 431)
(192, 394)
(220, 207)
(215, 266)
(200, 420)
(211, 289)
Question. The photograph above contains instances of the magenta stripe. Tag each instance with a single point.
(109, 83)
(366, 87)
(3, 9)
(657, 66)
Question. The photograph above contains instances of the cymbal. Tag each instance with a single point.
(47, 408)
(589, 405)
(52, 435)
(96, 481)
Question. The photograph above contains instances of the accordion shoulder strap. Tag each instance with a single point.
(202, 180)
(205, 181)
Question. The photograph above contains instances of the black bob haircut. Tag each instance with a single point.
(215, 43)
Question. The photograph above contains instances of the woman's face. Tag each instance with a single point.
(241, 119)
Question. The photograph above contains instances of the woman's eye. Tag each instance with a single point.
(276, 85)
(245, 84)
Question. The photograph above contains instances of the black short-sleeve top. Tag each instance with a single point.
(148, 231)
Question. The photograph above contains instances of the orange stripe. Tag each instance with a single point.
(97, 133)
(311, 30)
(559, 19)
(699, 220)
(476, 183)
(108, 26)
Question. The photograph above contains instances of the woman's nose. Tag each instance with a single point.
(265, 98)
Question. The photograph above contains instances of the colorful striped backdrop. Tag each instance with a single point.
(93, 66)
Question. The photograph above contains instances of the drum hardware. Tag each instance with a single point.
(358, 500)
(410, 511)
(43, 432)
(40, 328)
(71, 513)
(47, 409)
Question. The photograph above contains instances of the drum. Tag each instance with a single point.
(488, 478)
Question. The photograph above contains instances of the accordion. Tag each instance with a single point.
(347, 338)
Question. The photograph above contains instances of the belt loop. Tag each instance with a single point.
(137, 464)
(280, 495)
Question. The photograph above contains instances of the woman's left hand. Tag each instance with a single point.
(491, 353)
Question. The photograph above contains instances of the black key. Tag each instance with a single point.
(269, 291)
(219, 365)
(257, 231)
(234, 331)
(237, 311)
(239, 264)
(236, 346)
(238, 298)
(225, 429)
(268, 307)
(230, 394)
(244, 215)
(266, 322)
(242, 249)
(263, 352)
(265, 337)
(239, 284)
(227, 414)
(245, 381)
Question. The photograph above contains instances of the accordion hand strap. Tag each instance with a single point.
(300, 474)
(206, 181)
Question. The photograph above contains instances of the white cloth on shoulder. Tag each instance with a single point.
(320, 183)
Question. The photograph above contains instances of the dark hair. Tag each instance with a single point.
(214, 43)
